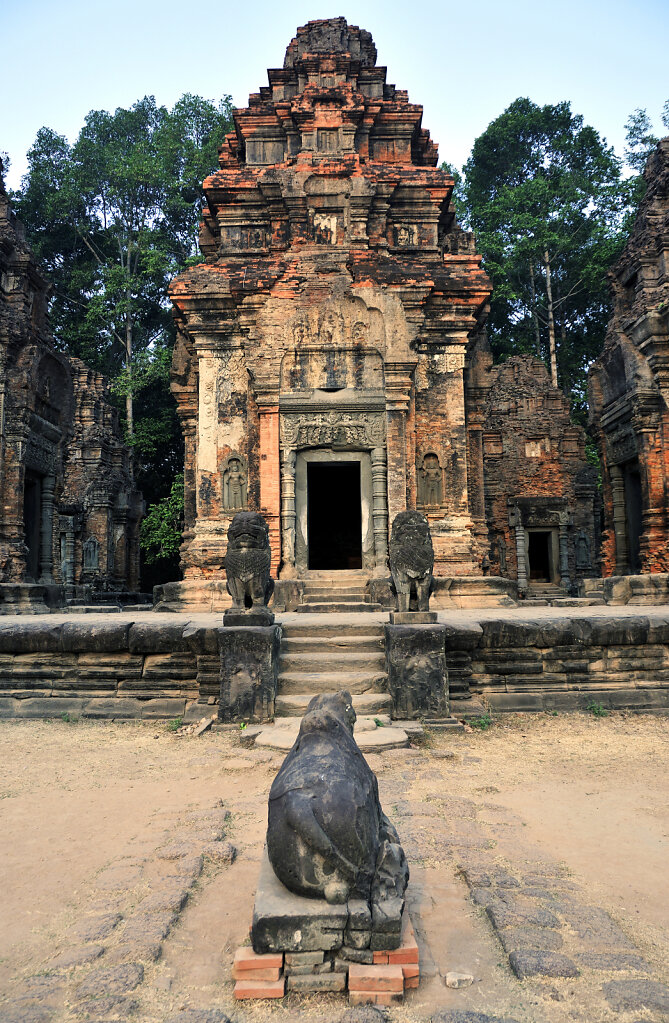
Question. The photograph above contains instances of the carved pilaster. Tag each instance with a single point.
(288, 512)
(619, 519)
(380, 510)
(46, 530)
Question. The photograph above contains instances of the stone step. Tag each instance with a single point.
(332, 643)
(332, 630)
(334, 597)
(292, 682)
(318, 660)
(335, 587)
(294, 706)
(282, 734)
(342, 608)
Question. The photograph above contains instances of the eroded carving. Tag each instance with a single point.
(333, 429)
(247, 562)
(430, 486)
(411, 560)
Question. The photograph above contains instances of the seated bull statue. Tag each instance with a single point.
(327, 835)
(411, 560)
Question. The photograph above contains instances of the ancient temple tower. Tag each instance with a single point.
(322, 342)
(629, 390)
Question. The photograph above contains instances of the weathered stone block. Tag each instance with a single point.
(248, 672)
(416, 666)
(283, 921)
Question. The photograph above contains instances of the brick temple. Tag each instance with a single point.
(69, 513)
(629, 390)
(331, 368)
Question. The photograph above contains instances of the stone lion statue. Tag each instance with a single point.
(247, 561)
(411, 559)
(327, 835)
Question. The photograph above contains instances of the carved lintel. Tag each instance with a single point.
(352, 430)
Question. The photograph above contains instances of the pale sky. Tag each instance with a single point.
(463, 62)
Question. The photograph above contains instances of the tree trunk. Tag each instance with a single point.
(128, 366)
(551, 321)
(535, 314)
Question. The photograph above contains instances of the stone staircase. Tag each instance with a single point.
(343, 592)
(324, 658)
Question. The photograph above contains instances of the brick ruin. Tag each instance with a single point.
(69, 515)
(542, 504)
(629, 390)
(325, 369)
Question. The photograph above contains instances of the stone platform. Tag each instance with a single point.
(152, 665)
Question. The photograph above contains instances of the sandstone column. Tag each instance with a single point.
(380, 511)
(619, 520)
(270, 489)
(46, 530)
(288, 513)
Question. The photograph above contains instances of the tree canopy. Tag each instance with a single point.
(548, 202)
(113, 217)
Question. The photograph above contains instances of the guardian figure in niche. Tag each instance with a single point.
(411, 560)
(234, 482)
(327, 835)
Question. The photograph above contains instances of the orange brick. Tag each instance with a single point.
(374, 997)
(375, 978)
(410, 970)
(247, 959)
(411, 982)
(380, 957)
(260, 988)
(403, 955)
(271, 973)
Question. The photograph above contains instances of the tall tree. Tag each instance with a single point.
(547, 200)
(113, 218)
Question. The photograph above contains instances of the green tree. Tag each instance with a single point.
(547, 200)
(160, 535)
(113, 218)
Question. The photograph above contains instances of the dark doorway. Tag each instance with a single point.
(539, 556)
(334, 521)
(32, 509)
(633, 510)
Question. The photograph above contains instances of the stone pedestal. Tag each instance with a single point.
(417, 674)
(249, 664)
(286, 922)
(413, 617)
(259, 616)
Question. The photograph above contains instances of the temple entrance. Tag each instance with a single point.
(541, 556)
(32, 509)
(334, 519)
(633, 512)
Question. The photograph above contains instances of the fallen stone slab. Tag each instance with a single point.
(463, 1016)
(542, 964)
(108, 1005)
(95, 928)
(613, 961)
(26, 1014)
(199, 1016)
(635, 995)
(77, 956)
(112, 981)
(502, 916)
(535, 938)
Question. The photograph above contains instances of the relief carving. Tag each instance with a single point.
(405, 235)
(235, 483)
(333, 429)
(430, 482)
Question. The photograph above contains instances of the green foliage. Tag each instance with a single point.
(545, 193)
(483, 723)
(113, 218)
(597, 710)
(160, 535)
(69, 719)
(174, 725)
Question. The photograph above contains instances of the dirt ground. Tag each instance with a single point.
(87, 811)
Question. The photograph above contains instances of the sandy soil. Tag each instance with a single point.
(85, 806)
